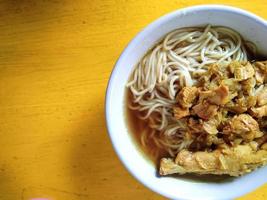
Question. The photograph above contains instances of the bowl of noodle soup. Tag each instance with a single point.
(158, 61)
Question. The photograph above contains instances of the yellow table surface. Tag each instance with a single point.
(55, 60)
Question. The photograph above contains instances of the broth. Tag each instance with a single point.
(136, 127)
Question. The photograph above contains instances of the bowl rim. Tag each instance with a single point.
(137, 37)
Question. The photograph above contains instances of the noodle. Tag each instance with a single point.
(169, 66)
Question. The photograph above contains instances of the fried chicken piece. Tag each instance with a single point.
(242, 71)
(218, 96)
(186, 96)
(232, 84)
(180, 112)
(210, 100)
(261, 65)
(241, 104)
(264, 146)
(242, 125)
(248, 86)
(213, 139)
(211, 126)
(236, 107)
(262, 97)
(260, 71)
(259, 112)
(259, 76)
(205, 110)
(234, 161)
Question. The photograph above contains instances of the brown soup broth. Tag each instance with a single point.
(136, 127)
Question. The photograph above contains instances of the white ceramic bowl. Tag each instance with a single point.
(251, 27)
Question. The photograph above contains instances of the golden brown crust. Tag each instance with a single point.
(233, 161)
(186, 96)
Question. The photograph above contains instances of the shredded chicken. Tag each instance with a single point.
(224, 121)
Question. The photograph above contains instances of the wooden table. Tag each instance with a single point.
(55, 60)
